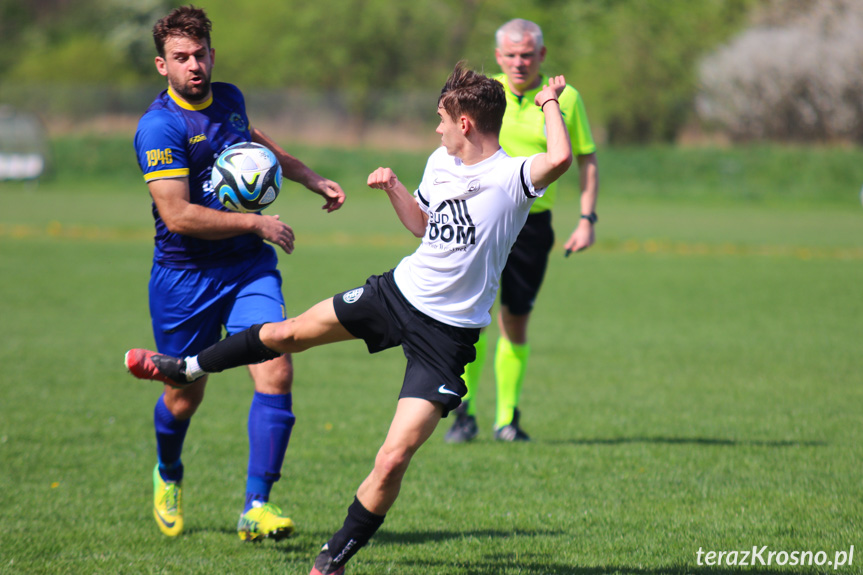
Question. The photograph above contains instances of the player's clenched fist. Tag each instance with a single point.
(383, 179)
(550, 91)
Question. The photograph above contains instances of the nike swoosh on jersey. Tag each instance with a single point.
(443, 389)
(438, 182)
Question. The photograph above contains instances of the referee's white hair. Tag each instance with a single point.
(516, 29)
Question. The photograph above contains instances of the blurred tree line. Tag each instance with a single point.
(640, 64)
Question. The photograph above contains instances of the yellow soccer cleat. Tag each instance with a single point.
(264, 520)
(167, 504)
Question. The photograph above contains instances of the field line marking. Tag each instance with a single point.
(56, 230)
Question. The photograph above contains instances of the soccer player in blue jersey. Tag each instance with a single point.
(212, 267)
(468, 209)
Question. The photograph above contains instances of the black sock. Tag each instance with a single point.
(239, 349)
(359, 526)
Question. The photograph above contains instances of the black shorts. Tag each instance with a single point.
(379, 314)
(525, 267)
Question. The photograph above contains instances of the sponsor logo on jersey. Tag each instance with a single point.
(450, 222)
(195, 139)
(353, 295)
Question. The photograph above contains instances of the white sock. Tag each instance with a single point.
(193, 370)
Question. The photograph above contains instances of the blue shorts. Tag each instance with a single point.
(189, 307)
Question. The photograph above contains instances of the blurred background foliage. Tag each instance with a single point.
(649, 70)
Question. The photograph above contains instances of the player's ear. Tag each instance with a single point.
(464, 124)
(161, 66)
(542, 54)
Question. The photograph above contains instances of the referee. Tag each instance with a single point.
(520, 52)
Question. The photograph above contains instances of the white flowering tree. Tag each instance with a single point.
(796, 75)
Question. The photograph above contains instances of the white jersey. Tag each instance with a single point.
(475, 215)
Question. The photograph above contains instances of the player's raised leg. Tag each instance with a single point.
(316, 326)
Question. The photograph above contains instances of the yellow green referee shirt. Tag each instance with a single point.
(523, 131)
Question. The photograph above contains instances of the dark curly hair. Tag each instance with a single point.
(187, 21)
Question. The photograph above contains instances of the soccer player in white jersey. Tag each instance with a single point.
(469, 208)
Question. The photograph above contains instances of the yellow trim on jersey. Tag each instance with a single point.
(187, 106)
(161, 174)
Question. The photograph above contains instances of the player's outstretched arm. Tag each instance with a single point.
(294, 169)
(410, 214)
(548, 167)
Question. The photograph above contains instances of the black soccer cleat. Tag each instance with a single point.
(511, 431)
(145, 364)
(464, 428)
(324, 564)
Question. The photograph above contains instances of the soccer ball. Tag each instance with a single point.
(246, 177)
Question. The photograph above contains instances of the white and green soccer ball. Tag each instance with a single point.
(246, 177)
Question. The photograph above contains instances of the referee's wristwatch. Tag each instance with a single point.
(591, 217)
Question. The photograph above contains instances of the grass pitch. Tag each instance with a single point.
(694, 386)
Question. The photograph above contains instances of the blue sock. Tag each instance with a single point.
(270, 423)
(170, 434)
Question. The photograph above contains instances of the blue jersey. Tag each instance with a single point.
(176, 140)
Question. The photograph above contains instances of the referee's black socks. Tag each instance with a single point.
(359, 526)
(243, 348)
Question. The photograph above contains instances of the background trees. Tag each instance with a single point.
(794, 75)
(756, 68)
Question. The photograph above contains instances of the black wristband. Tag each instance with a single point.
(591, 217)
(542, 108)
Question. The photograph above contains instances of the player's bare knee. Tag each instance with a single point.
(282, 336)
(273, 377)
(184, 406)
(391, 465)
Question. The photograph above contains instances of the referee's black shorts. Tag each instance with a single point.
(380, 315)
(525, 267)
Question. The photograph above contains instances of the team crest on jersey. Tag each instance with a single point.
(237, 122)
(473, 186)
(353, 295)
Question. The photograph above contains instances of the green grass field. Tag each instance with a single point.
(694, 385)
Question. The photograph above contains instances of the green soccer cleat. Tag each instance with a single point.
(262, 521)
(167, 504)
